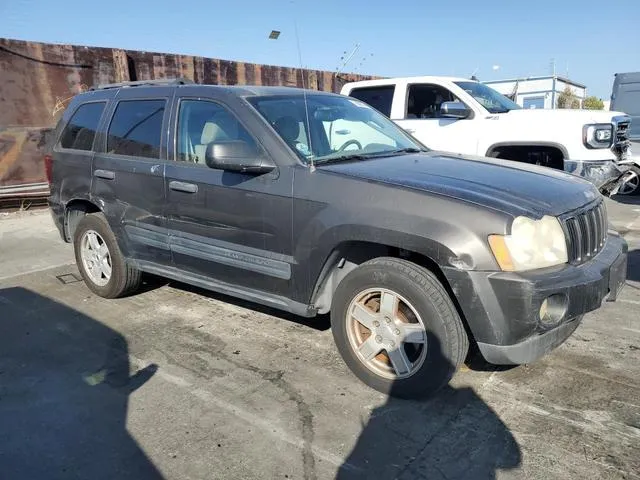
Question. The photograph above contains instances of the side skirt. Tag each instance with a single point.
(274, 301)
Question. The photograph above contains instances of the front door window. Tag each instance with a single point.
(425, 100)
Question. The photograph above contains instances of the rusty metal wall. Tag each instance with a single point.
(38, 79)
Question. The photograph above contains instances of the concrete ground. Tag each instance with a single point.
(179, 383)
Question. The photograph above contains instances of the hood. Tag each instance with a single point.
(511, 187)
(561, 115)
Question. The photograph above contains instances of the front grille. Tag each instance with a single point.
(621, 135)
(586, 233)
(622, 132)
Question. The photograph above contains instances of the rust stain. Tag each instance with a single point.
(37, 80)
(14, 143)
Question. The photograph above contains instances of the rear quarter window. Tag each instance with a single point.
(136, 128)
(379, 98)
(80, 132)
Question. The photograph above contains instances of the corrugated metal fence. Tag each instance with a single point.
(38, 79)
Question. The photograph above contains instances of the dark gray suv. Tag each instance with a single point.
(312, 203)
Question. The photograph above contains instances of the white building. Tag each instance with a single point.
(538, 92)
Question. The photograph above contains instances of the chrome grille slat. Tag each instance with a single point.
(587, 233)
(600, 221)
(593, 232)
(576, 240)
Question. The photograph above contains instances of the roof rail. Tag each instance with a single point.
(140, 83)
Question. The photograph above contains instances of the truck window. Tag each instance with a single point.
(136, 128)
(379, 98)
(424, 100)
(81, 129)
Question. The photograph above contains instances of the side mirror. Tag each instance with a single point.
(237, 156)
(454, 110)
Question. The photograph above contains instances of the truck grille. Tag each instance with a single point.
(586, 233)
(622, 132)
(621, 135)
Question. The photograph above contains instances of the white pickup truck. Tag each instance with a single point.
(465, 116)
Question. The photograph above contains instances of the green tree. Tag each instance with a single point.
(567, 99)
(593, 103)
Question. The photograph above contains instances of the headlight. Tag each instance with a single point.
(597, 135)
(532, 244)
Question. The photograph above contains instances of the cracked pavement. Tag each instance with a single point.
(175, 382)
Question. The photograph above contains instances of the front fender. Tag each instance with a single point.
(449, 243)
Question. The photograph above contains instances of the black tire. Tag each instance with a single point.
(636, 171)
(124, 279)
(447, 341)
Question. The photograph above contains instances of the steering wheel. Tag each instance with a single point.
(350, 142)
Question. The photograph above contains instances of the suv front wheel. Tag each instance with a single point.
(100, 261)
(397, 328)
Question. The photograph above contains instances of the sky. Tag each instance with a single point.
(588, 40)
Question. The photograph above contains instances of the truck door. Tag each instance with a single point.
(416, 109)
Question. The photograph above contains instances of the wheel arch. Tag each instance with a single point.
(496, 146)
(73, 212)
(348, 255)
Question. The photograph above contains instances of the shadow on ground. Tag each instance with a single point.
(633, 266)
(64, 388)
(627, 199)
(454, 435)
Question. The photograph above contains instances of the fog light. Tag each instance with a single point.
(553, 309)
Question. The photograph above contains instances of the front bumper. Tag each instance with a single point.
(502, 308)
(604, 174)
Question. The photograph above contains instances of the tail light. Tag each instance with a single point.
(48, 167)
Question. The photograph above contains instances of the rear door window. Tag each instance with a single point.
(379, 98)
(81, 129)
(136, 128)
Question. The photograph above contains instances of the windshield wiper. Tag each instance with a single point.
(366, 156)
(342, 158)
(406, 150)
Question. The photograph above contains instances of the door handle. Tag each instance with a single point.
(410, 130)
(183, 187)
(106, 174)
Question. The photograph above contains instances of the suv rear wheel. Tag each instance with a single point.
(100, 261)
(397, 328)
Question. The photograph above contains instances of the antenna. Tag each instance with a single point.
(312, 167)
(348, 57)
(364, 59)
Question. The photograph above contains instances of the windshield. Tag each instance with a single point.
(493, 101)
(332, 127)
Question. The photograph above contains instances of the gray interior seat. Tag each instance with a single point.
(219, 128)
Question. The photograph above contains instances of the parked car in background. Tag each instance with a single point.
(625, 97)
(466, 116)
(255, 192)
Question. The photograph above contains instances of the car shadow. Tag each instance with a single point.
(64, 387)
(633, 265)
(454, 435)
(627, 199)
